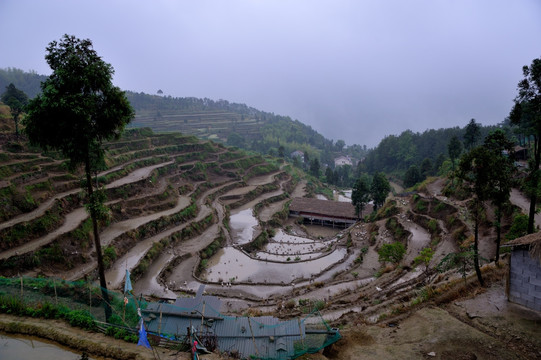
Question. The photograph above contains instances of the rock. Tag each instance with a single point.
(432, 353)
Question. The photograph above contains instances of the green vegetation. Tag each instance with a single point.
(397, 230)
(392, 253)
(88, 110)
(10, 304)
(16, 100)
(424, 258)
(526, 115)
(258, 243)
(519, 227)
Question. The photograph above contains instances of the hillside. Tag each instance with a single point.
(218, 120)
(175, 202)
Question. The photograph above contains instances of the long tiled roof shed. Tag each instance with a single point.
(525, 271)
(323, 211)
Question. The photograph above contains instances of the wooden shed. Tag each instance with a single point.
(323, 212)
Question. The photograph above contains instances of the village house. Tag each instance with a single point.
(297, 154)
(342, 160)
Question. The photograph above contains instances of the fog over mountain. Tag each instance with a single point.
(353, 70)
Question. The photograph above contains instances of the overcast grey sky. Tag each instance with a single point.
(353, 70)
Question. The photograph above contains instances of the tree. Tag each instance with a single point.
(379, 189)
(454, 148)
(475, 170)
(472, 134)
(412, 176)
(427, 168)
(424, 258)
(314, 167)
(329, 176)
(78, 109)
(16, 100)
(457, 260)
(340, 145)
(360, 195)
(501, 176)
(438, 163)
(235, 139)
(392, 253)
(526, 113)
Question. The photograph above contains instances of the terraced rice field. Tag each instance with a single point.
(185, 212)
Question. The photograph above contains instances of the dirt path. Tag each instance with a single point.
(46, 205)
(40, 210)
(419, 239)
(71, 221)
(264, 179)
(520, 200)
(137, 175)
(116, 229)
(149, 284)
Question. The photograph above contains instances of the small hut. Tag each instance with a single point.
(524, 285)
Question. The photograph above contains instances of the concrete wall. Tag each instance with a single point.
(525, 280)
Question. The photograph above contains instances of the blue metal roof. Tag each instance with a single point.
(262, 336)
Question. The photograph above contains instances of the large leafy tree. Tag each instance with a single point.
(360, 195)
(79, 109)
(526, 113)
(501, 176)
(379, 189)
(16, 100)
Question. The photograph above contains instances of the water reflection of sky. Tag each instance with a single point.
(230, 263)
(26, 348)
(346, 196)
(242, 226)
(285, 244)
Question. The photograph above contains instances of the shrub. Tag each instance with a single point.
(392, 252)
(519, 227)
(81, 318)
(432, 225)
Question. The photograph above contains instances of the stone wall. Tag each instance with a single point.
(525, 280)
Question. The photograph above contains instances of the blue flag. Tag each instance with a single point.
(143, 336)
(127, 285)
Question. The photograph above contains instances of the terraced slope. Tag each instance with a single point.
(157, 189)
(176, 204)
(213, 125)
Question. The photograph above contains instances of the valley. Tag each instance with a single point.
(186, 212)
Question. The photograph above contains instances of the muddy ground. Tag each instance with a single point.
(479, 325)
(483, 327)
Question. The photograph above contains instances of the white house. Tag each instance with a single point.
(299, 154)
(342, 160)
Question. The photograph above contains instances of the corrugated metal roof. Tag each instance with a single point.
(263, 336)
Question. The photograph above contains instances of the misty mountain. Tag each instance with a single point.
(245, 127)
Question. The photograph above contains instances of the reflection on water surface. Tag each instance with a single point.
(28, 348)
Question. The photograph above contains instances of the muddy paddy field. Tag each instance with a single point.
(183, 213)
